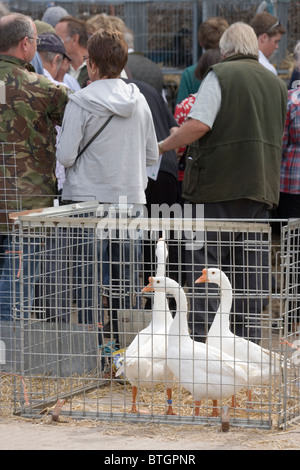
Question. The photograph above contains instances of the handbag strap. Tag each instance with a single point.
(94, 137)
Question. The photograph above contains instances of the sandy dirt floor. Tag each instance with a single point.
(21, 434)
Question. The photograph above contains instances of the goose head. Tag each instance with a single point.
(169, 286)
(160, 284)
(218, 277)
(213, 275)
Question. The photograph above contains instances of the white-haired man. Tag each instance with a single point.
(234, 133)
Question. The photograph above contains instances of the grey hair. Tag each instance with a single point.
(13, 28)
(239, 38)
(48, 56)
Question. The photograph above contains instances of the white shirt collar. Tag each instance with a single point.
(265, 62)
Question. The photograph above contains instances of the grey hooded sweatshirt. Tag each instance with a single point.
(114, 165)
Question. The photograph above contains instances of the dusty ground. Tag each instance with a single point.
(21, 434)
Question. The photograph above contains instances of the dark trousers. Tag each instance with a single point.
(289, 206)
(162, 191)
(244, 259)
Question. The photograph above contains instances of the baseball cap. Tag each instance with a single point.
(52, 43)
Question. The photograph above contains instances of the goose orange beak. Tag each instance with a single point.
(150, 286)
(202, 278)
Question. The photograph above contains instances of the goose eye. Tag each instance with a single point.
(158, 282)
(213, 272)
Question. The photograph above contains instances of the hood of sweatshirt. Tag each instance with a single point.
(110, 96)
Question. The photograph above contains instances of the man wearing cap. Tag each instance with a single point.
(56, 61)
(52, 51)
(53, 54)
(269, 31)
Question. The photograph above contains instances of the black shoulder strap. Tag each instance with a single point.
(94, 137)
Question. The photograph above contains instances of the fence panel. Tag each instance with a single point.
(290, 343)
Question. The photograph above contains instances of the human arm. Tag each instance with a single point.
(173, 129)
(70, 138)
(152, 153)
(201, 117)
(56, 105)
(190, 131)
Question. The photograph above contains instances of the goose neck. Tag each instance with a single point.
(221, 320)
(180, 324)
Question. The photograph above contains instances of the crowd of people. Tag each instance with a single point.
(88, 116)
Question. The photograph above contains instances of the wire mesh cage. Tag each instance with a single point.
(290, 388)
(9, 200)
(93, 331)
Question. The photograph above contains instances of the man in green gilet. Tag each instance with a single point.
(234, 133)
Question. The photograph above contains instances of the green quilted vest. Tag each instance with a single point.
(240, 157)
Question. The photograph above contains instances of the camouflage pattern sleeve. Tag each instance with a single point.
(31, 107)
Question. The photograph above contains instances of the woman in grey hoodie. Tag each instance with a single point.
(115, 163)
(112, 167)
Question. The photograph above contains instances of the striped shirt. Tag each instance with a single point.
(290, 165)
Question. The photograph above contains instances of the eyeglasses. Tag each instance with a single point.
(273, 26)
(85, 57)
(38, 40)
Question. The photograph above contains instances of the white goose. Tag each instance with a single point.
(145, 361)
(206, 372)
(221, 337)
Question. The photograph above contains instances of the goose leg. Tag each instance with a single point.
(134, 407)
(197, 407)
(234, 403)
(134, 394)
(249, 398)
(169, 401)
(215, 412)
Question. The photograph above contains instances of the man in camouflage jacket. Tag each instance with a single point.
(31, 107)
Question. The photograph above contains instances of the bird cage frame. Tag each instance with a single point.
(9, 198)
(61, 363)
(289, 392)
